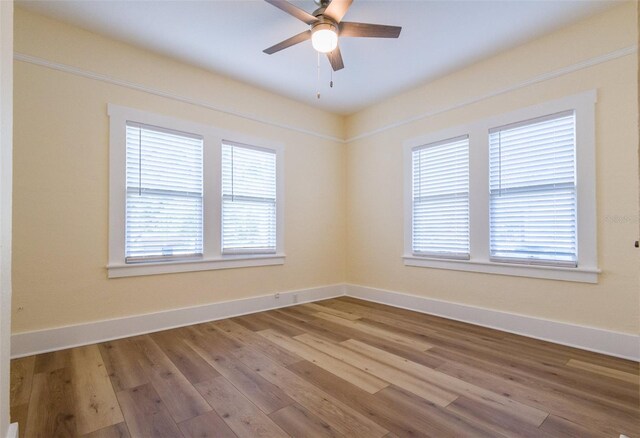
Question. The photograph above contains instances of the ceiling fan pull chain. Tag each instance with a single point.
(331, 81)
(318, 81)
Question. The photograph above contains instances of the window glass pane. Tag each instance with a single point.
(164, 194)
(533, 191)
(248, 200)
(440, 195)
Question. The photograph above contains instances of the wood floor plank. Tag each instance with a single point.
(299, 313)
(605, 371)
(191, 365)
(384, 344)
(437, 421)
(211, 334)
(121, 358)
(250, 322)
(277, 323)
(426, 390)
(19, 414)
(408, 341)
(21, 378)
(178, 395)
(46, 362)
(562, 428)
(51, 407)
(145, 413)
(356, 376)
(265, 395)
(405, 414)
(115, 431)
(96, 405)
(340, 313)
(299, 422)
(243, 417)
(341, 417)
(404, 423)
(410, 315)
(263, 321)
(208, 425)
(251, 339)
(505, 405)
(561, 380)
(308, 326)
(495, 419)
(382, 317)
(597, 417)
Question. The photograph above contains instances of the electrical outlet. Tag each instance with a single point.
(277, 296)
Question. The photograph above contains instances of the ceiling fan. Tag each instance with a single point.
(326, 26)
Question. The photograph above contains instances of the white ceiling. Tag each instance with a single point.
(228, 37)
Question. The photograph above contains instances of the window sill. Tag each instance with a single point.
(581, 275)
(226, 262)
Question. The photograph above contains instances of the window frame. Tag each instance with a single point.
(139, 189)
(213, 137)
(436, 254)
(254, 251)
(587, 264)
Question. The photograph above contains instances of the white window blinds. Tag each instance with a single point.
(164, 194)
(440, 197)
(248, 199)
(533, 191)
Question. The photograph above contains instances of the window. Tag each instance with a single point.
(184, 198)
(532, 182)
(530, 199)
(248, 200)
(441, 199)
(164, 194)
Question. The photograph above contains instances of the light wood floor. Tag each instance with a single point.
(341, 367)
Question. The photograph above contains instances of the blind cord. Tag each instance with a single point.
(318, 79)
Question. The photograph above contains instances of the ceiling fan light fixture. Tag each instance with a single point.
(324, 37)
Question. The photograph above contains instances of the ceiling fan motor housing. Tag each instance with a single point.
(324, 34)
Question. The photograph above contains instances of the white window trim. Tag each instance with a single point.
(212, 255)
(587, 270)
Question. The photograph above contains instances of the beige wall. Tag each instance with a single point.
(374, 173)
(61, 181)
(6, 122)
(344, 217)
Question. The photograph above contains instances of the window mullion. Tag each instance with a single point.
(212, 196)
(478, 193)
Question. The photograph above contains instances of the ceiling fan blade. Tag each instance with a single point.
(304, 36)
(337, 9)
(348, 29)
(335, 58)
(293, 10)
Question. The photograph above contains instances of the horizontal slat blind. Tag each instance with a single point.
(441, 199)
(164, 194)
(248, 200)
(533, 191)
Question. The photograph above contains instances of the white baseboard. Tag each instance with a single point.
(59, 338)
(587, 338)
(12, 431)
(612, 343)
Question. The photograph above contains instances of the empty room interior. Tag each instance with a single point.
(319, 218)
